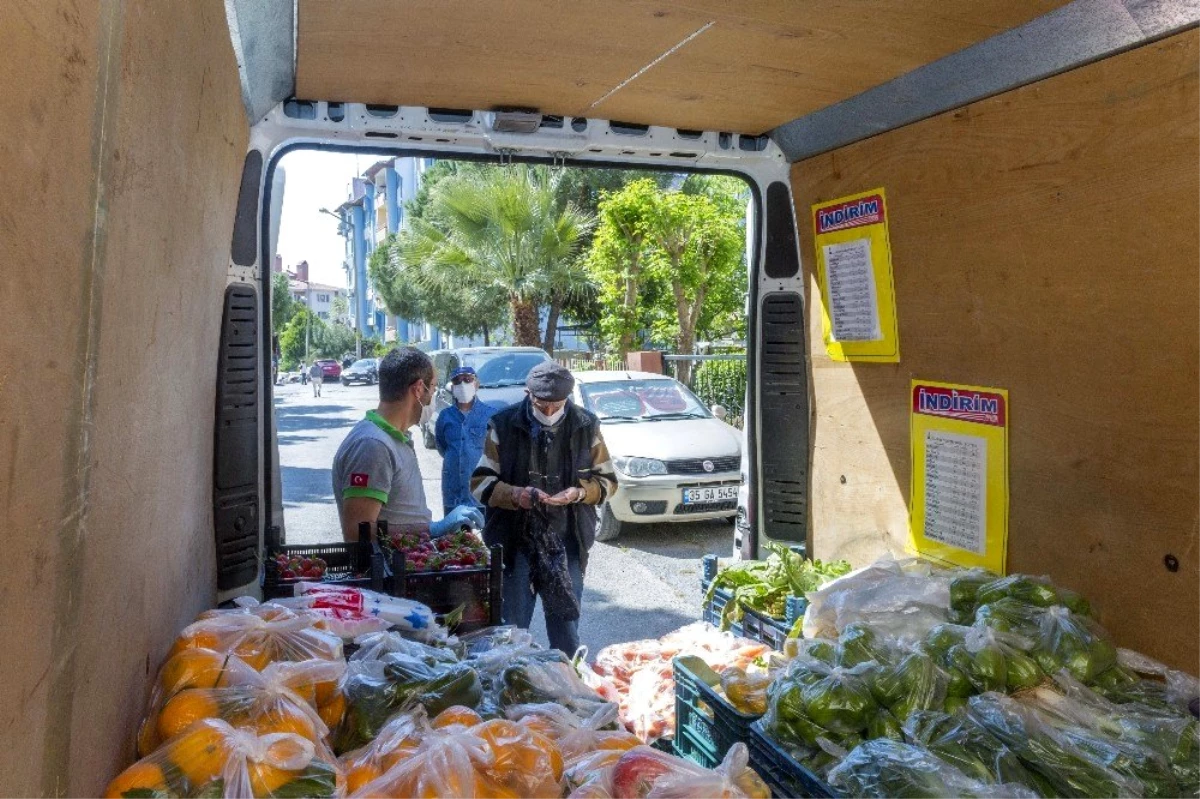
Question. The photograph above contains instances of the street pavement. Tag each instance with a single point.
(643, 585)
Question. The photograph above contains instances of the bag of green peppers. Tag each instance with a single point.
(1062, 639)
(915, 683)
(376, 690)
(813, 700)
(884, 768)
(970, 591)
(978, 659)
(960, 741)
(1052, 752)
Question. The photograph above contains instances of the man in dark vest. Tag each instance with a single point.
(544, 469)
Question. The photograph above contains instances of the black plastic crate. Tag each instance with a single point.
(347, 563)
(780, 771)
(479, 592)
(706, 723)
(754, 625)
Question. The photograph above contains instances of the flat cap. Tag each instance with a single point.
(550, 381)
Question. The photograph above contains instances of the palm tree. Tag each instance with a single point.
(501, 230)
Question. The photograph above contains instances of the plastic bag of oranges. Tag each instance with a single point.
(587, 745)
(458, 754)
(261, 635)
(283, 697)
(212, 758)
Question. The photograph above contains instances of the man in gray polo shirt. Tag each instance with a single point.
(375, 472)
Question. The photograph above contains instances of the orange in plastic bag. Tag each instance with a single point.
(261, 636)
(212, 758)
(278, 699)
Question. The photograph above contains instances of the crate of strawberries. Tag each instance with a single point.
(455, 575)
(346, 563)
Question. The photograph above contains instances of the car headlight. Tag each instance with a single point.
(639, 467)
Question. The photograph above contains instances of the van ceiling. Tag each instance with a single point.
(745, 66)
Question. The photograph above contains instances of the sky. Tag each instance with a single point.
(316, 180)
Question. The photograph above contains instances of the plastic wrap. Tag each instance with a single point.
(1147, 681)
(376, 690)
(963, 743)
(407, 615)
(640, 676)
(212, 758)
(376, 646)
(283, 697)
(1060, 637)
(1031, 590)
(884, 768)
(1055, 755)
(645, 773)
(457, 755)
(905, 597)
(1162, 748)
(813, 701)
(978, 659)
(746, 691)
(343, 623)
(915, 683)
(546, 676)
(261, 636)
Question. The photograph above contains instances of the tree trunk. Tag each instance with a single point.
(487, 341)
(525, 323)
(552, 323)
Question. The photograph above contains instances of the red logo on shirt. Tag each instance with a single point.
(358, 480)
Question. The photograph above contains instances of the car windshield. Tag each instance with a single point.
(365, 363)
(497, 369)
(642, 400)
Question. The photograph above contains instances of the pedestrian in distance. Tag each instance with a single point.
(376, 474)
(459, 433)
(317, 377)
(544, 470)
(303, 374)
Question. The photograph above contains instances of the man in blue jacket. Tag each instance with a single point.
(459, 432)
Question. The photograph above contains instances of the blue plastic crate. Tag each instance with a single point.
(706, 724)
(780, 771)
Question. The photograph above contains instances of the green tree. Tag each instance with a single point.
(339, 309)
(503, 232)
(296, 342)
(283, 307)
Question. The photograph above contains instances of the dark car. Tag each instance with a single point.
(364, 370)
(501, 372)
(330, 369)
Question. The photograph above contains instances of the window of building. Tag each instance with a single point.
(322, 298)
(322, 314)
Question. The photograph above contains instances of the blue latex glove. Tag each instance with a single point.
(460, 517)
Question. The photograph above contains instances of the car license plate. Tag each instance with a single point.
(700, 496)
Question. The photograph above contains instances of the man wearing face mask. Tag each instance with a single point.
(544, 469)
(459, 435)
(375, 471)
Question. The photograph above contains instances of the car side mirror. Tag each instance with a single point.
(719, 412)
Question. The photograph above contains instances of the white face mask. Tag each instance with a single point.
(463, 392)
(551, 420)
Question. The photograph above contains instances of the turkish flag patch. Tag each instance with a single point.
(358, 480)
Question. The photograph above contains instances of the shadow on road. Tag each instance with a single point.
(291, 424)
(680, 541)
(303, 484)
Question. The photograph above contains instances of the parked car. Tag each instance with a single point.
(364, 370)
(330, 369)
(676, 460)
(501, 372)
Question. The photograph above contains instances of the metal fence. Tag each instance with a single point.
(593, 363)
(716, 380)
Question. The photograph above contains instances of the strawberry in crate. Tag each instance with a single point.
(291, 567)
(461, 550)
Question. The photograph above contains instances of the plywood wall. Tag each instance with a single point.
(121, 139)
(1044, 241)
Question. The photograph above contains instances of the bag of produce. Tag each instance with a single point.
(884, 768)
(978, 659)
(378, 645)
(261, 636)
(495, 643)
(645, 773)
(283, 697)
(1070, 759)
(746, 691)
(905, 597)
(813, 701)
(546, 676)
(1060, 637)
(1158, 740)
(964, 593)
(915, 683)
(764, 586)
(1037, 591)
(457, 755)
(211, 758)
(587, 745)
(1143, 680)
(960, 741)
(376, 690)
(411, 617)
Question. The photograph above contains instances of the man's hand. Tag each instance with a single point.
(568, 496)
(462, 516)
(528, 496)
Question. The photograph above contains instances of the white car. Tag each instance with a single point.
(676, 461)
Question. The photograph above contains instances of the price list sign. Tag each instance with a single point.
(958, 510)
(854, 270)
